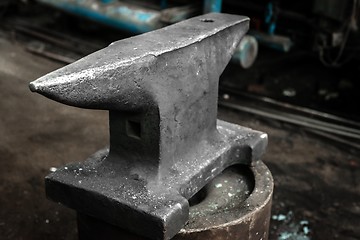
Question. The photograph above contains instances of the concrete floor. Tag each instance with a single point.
(317, 186)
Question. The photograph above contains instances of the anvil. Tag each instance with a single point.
(166, 143)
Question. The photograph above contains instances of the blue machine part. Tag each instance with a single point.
(212, 6)
(269, 12)
(107, 1)
(163, 4)
(269, 18)
(114, 13)
(277, 42)
(126, 16)
(246, 53)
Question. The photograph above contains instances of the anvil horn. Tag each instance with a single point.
(122, 76)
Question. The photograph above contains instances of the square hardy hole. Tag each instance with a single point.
(133, 129)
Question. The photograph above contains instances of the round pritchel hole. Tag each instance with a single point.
(207, 20)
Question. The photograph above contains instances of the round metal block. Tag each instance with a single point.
(247, 52)
(235, 205)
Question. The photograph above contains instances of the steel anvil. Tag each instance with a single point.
(166, 143)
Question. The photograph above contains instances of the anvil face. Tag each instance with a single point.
(165, 141)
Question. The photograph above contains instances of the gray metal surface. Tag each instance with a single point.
(165, 143)
(235, 205)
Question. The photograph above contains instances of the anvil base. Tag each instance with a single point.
(112, 193)
(235, 205)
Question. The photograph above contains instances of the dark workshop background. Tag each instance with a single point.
(296, 78)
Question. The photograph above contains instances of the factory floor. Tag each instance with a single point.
(317, 185)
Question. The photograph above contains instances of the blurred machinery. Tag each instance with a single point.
(136, 16)
(328, 27)
(323, 26)
(143, 16)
